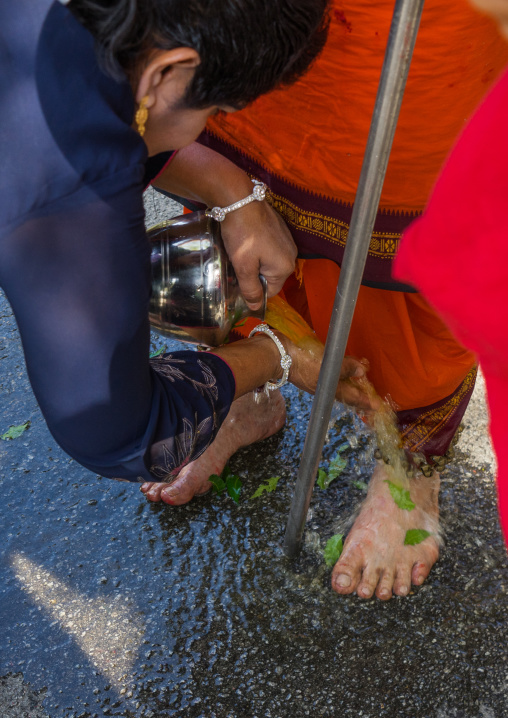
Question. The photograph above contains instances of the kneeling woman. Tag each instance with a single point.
(96, 95)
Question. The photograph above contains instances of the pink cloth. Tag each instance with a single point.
(456, 254)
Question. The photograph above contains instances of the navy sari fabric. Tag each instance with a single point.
(75, 262)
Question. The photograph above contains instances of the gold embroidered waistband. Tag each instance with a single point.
(383, 245)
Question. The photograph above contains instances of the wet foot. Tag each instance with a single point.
(375, 559)
(248, 421)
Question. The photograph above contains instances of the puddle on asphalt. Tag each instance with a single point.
(219, 624)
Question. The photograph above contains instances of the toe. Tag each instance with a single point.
(385, 585)
(402, 583)
(153, 492)
(428, 555)
(345, 577)
(420, 572)
(183, 489)
(367, 585)
(174, 495)
(144, 488)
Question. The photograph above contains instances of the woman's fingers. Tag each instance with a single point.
(352, 367)
(356, 394)
(258, 241)
(353, 387)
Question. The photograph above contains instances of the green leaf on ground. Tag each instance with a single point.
(226, 473)
(13, 432)
(401, 496)
(323, 480)
(158, 352)
(337, 466)
(234, 486)
(227, 481)
(270, 486)
(218, 484)
(360, 485)
(415, 536)
(333, 549)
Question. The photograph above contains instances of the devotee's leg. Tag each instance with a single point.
(414, 362)
(375, 558)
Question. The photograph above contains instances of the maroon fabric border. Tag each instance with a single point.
(429, 430)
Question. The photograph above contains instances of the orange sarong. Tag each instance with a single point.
(307, 144)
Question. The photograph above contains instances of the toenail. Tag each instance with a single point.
(419, 580)
(343, 581)
(403, 590)
(168, 496)
(170, 493)
(365, 592)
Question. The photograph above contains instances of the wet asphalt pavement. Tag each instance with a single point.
(111, 606)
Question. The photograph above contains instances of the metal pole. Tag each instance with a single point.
(401, 41)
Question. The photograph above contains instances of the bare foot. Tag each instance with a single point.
(248, 421)
(375, 558)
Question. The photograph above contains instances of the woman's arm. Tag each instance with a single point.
(255, 237)
(257, 360)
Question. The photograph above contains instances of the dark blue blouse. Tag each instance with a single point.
(75, 262)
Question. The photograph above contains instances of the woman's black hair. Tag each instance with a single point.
(246, 47)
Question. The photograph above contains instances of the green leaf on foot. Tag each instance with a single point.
(360, 485)
(234, 486)
(415, 536)
(217, 483)
(13, 432)
(323, 480)
(158, 352)
(333, 549)
(401, 496)
(270, 486)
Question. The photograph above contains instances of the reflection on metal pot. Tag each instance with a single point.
(195, 293)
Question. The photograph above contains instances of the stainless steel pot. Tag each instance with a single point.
(195, 293)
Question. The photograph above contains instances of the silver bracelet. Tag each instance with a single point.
(258, 193)
(285, 359)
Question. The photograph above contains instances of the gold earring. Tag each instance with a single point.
(142, 116)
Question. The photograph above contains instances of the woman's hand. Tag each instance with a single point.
(258, 241)
(352, 388)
